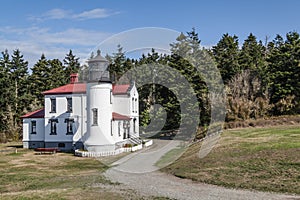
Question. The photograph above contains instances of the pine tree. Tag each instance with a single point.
(4, 90)
(226, 54)
(71, 64)
(56, 73)
(19, 98)
(284, 73)
(117, 65)
(39, 79)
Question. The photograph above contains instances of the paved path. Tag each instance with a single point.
(137, 171)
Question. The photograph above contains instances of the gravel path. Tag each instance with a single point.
(155, 183)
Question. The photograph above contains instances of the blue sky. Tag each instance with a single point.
(53, 27)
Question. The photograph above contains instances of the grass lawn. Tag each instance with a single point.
(266, 159)
(24, 176)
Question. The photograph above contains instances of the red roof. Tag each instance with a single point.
(81, 88)
(117, 116)
(120, 89)
(68, 89)
(35, 114)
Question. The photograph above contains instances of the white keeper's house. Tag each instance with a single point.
(95, 115)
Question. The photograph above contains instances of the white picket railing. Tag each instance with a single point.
(112, 153)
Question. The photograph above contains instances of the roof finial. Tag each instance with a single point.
(98, 52)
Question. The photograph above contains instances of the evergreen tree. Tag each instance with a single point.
(284, 73)
(56, 73)
(118, 65)
(226, 54)
(252, 57)
(72, 65)
(19, 98)
(19, 76)
(39, 79)
(5, 88)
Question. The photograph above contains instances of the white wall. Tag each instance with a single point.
(27, 127)
(78, 114)
(121, 104)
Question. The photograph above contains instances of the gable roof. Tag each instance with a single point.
(72, 88)
(79, 88)
(35, 114)
(121, 89)
(117, 116)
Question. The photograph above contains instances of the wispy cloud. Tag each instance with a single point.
(95, 14)
(58, 13)
(34, 41)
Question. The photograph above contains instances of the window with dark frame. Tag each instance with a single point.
(70, 123)
(95, 117)
(136, 105)
(53, 123)
(111, 127)
(33, 127)
(69, 105)
(110, 96)
(53, 105)
(134, 125)
(119, 129)
(133, 107)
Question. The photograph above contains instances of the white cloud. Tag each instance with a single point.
(58, 13)
(34, 41)
(95, 14)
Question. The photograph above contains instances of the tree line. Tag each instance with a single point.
(21, 87)
(261, 78)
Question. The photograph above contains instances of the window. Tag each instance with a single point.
(134, 125)
(33, 127)
(132, 106)
(110, 96)
(53, 123)
(95, 116)
(69, 126)
(136, 105)
(119, 129)
(69, 105)
(111, 127)
(61, 145)
(53, 105)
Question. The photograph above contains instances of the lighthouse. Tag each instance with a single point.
(99, 106)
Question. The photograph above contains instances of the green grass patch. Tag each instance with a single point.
(266, 159)
(170, 157)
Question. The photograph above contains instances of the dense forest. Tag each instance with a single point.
(262, 79)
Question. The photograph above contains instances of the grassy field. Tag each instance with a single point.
(266, 159)
(25, 176)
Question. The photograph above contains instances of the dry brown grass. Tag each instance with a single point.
(265, 159)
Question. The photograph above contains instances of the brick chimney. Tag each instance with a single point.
(73, 78)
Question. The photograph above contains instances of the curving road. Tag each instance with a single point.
(137, 171)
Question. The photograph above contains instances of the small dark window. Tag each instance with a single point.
(136, 105)
(33, 127)
(69, 126)
(119, 129)
(111, 127)
(53, 123)
(61, 145)
(133, 107)
(53, 105)
(69, 105)
(110, 96)
(95, 116)
(134, 125)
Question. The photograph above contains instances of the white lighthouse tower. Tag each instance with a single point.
(99, 106)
